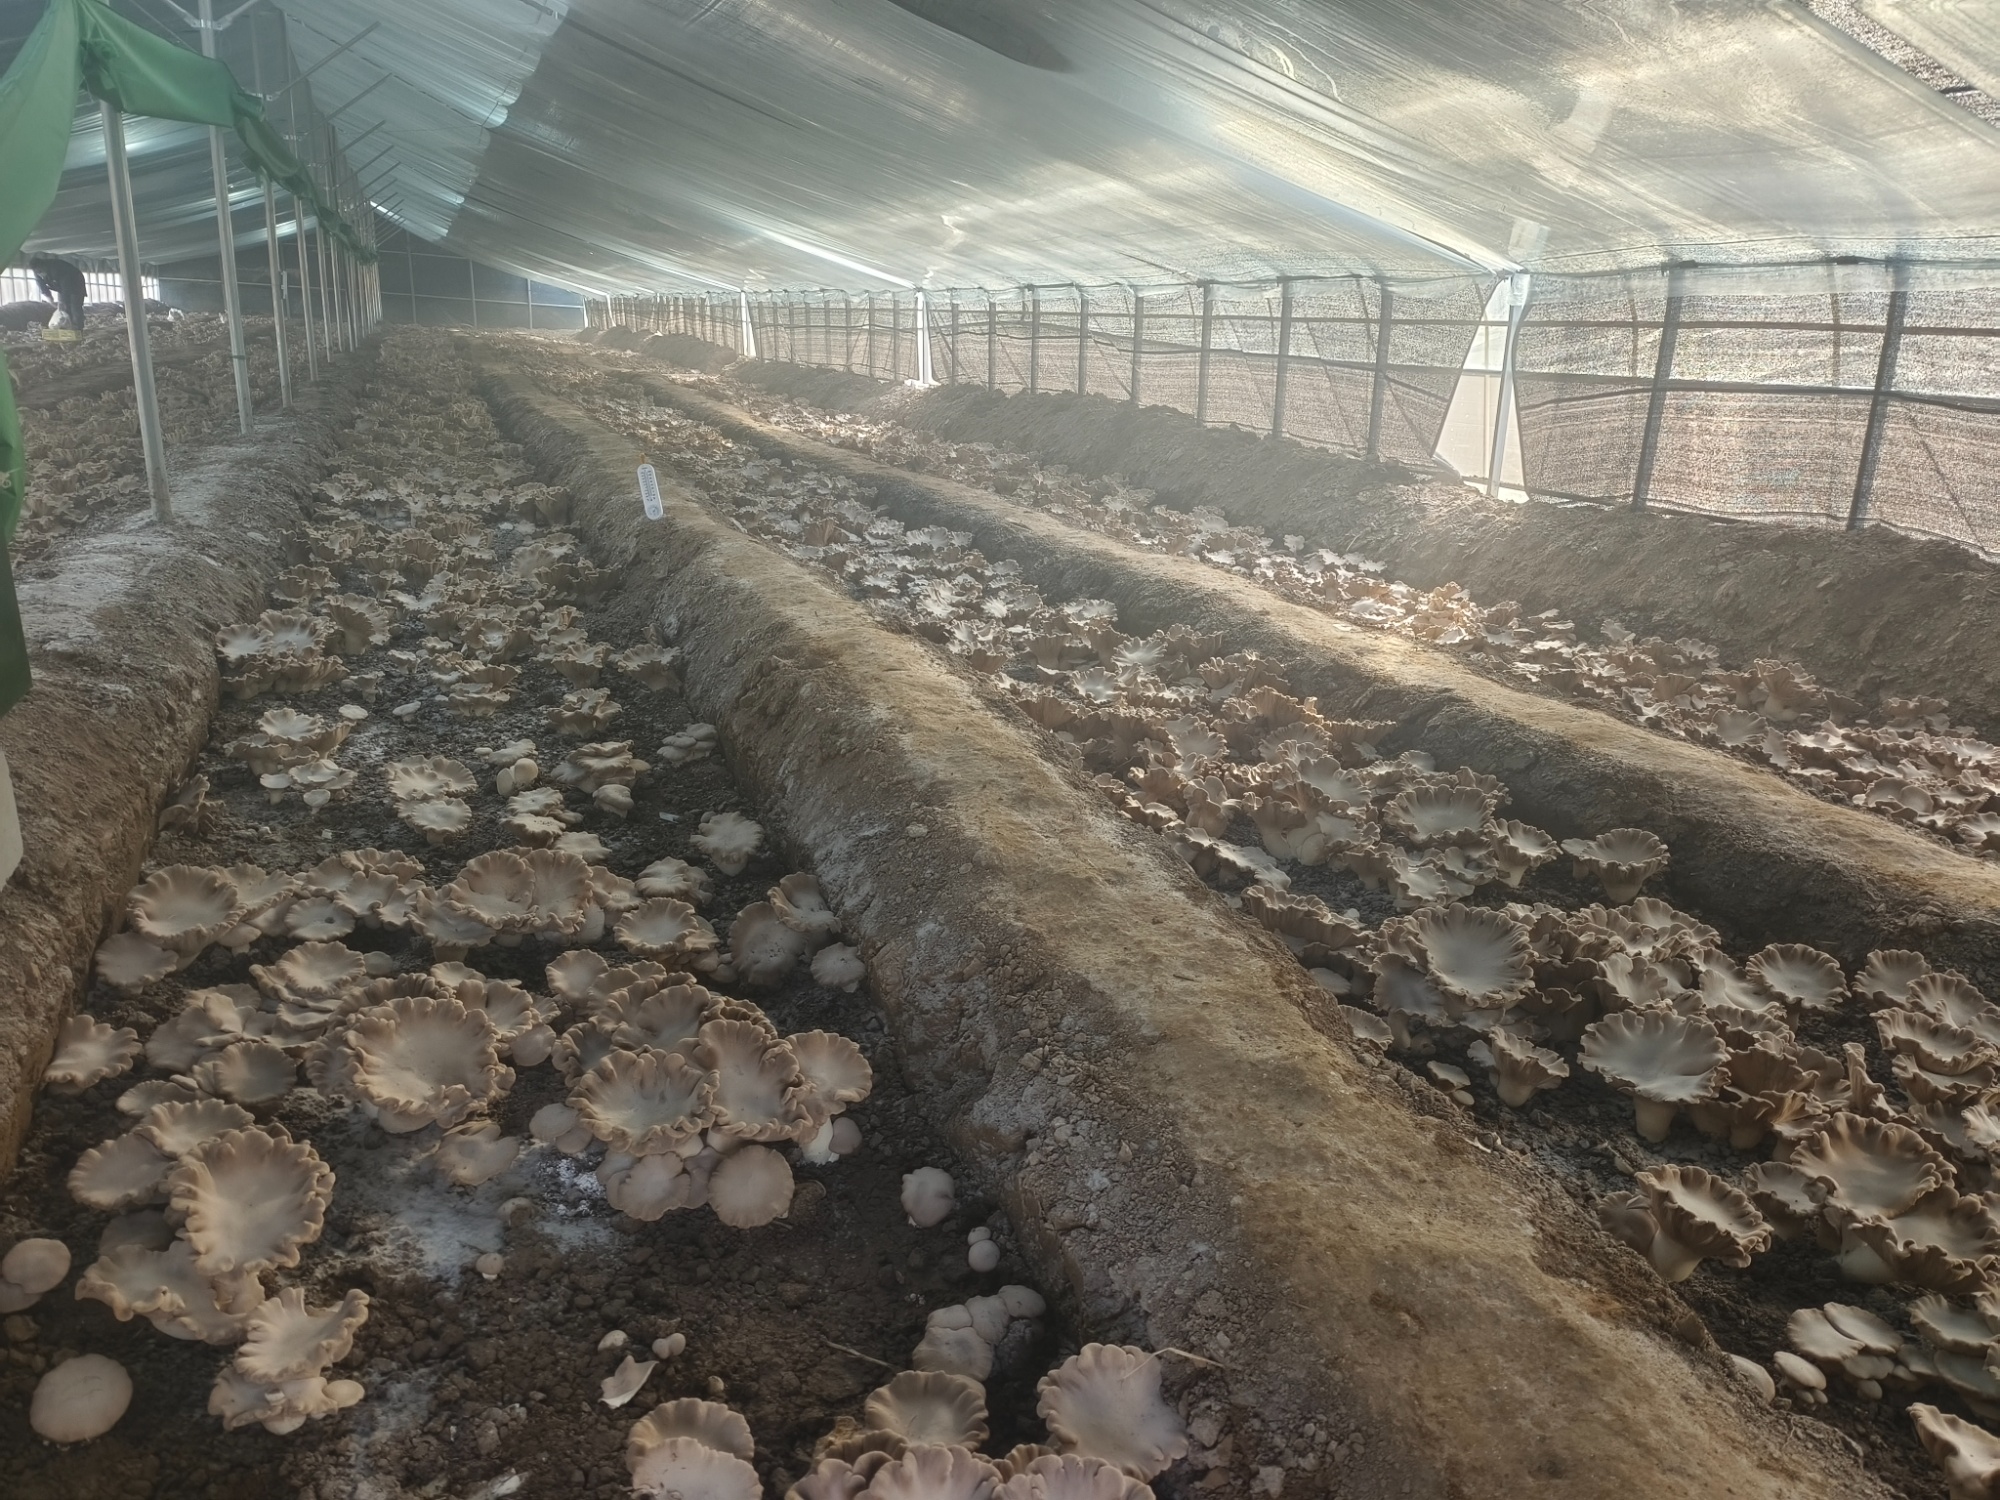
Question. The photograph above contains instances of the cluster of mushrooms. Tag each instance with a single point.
(1198, 745)
(1904, 759)
(919, 1436)
(681, 1095)
(84, 449)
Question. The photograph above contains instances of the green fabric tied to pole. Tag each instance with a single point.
(80, 44)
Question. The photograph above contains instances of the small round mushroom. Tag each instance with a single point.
(32, 1267)
(80, 1399)
(983, 1255)
(928, 1196)
(750, 1187)
(839, 967)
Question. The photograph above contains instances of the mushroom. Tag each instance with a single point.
(928, 1196)
(184, 908)
(124, 1172)
(1685, 1215)
(696, 742)
(1870, 1169)
(1516, 849)
(249, 1072)
(1789, 1200)
(934, 1472)
(279, 1408)
(1520, 1069)
(416, 1061)
(428, 780)
(476, 1152)
(80, 1399)
(751, 1187)
(929, 1407)
(1886, 977)
(668, 930)
(1663, 1060)
(1623, 859)
(128, 962)
(1068, 1476)
(645, 1102)
(801, 906)
(763, 947)
(1105, 1402)
(287, 1340)
(1803, 978)
(250, 1200)
(759, 1091)
(601, 764)
(1851, 1340)
(1969, 1455)
(30, 1268)
(653, 665)
(625, 1382)
(676, 879)
(1475, 956)
(1429, 816)
(438, 819)
(685, 1469)
(706, 1422)
(171, 1292)
(839, 967)
(88, 1052)
(836, 1074)
(729, 840)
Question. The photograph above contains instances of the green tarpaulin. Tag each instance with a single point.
(80, 44)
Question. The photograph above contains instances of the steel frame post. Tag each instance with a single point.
(1284, 367)
(1082, 340)
(1201, 359)
(278, 293)
(868, 351)
(1517, 303)
(232, 297)
(1878, 405)
(1378, 394)
(992, 345)
(125, 227)
(1034, 341)
(305, 288)
(1656, 403)
(925, 378)
(1138, 341)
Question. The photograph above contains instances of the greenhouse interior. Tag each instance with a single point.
(999, 749)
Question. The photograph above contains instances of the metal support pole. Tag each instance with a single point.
(1082, 341)
(1378, 396)
(992, 345)
(868, 354)
(1284, 368)
(232, 298)
(1201, 360)
(1034, 340)
(126, 229)
(1517, 302)
(847, 333)
(923, 331)
(1878, 406)
(1656, 404)
(951, 348)
(1138, 341)
(792, 328)
(278, 292)
(305, 288)
(895, 338)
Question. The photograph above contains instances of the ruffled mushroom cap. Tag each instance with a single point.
(250, 1200)
(1070, 1476)
(707, 1422)
(211, 1020)
(250, 1072)
(1946, 1242)
(929, 1407)
(676, 880)
(288, 1340)
(1520, 1068)
(1947, 1326)
(1886, 977)
(170, 1291)
(476, 1152)
(1697, 1217)
(1105, 1401)
(835, 1072)
(177, 1128)
(438, 819)
(934, 1472)
(729, 840)
(839, 967)
(801, 906)
(279, 1408)
(1473, 954)
(1871, 1169)
(1804, 978)
(1662, 1059)
(1969, 1455)
(663, 1017)
(751, 1187)
(759, 1091)
(87, 1052)
(685, 1469)
(668, 930)
(1623, 859)
(1789, 1200)
(1430, 816)
(80, 1399)
(123, 1172)
(1516, 849)
(311, 971)
(583, 1047)
(645, 1102)
(184, 908)
(129, 962)
(429, 780)
(646, 1187)
(763, 947)
(1851, 1340)
(420, 1061)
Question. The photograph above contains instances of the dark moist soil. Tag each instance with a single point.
(1581, 1137)
(469, 1380)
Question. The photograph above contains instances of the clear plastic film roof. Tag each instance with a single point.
(632, 144)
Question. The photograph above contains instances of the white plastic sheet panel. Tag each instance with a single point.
(1964, 35)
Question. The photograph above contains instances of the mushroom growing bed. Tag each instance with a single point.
(1721, 1107)
(470, 1099)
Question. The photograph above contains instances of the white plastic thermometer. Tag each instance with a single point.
(649, 492)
